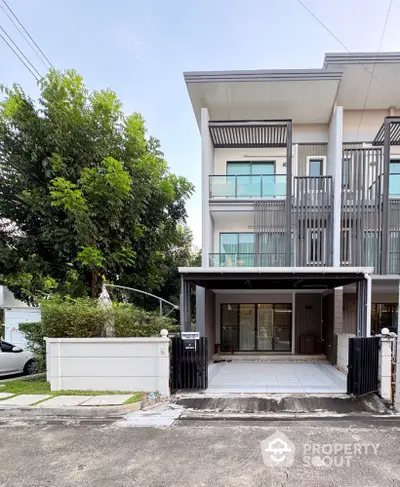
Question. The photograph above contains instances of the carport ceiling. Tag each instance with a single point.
(221, 279)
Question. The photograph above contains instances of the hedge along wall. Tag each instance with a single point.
(84, 318)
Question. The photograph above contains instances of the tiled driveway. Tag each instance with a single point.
(279, 377)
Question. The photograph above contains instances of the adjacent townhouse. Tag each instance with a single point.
(300, 205)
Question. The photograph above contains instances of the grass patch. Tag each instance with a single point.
(39, 385)
(31, 386)
(137, 396)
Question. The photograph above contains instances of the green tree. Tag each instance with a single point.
(85, 194)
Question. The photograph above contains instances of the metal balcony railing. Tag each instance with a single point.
(248, 186)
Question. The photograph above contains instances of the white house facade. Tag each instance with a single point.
(300, 205)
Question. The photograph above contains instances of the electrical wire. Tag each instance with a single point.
(373, 69)
(19, 57)
(25, 30)
(340, 42)
(19, 50)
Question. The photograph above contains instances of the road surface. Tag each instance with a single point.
(199, 453)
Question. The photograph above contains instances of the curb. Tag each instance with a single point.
(79, 411)
(367, 419)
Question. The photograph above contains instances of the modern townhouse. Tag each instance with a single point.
(300, 205)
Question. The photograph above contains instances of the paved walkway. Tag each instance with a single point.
(62, 401)
(276, 377)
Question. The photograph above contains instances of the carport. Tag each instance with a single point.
(294, 377)
(252, 280)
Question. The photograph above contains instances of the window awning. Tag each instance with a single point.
(295, 278)
(272, 133)
(394, 132)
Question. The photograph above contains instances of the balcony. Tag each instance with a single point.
(247, 260)
(244, 186)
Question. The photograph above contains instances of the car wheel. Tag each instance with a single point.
(30, 368)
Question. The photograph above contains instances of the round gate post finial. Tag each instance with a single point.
(164, 332)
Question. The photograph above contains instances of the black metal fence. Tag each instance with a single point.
(363, 366)
(189, 367)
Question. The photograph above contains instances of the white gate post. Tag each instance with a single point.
(396, 351)
(397, 383)
(385, 368)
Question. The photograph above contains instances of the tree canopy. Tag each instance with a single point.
(85, 194)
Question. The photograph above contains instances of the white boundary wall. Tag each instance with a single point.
(108, 364)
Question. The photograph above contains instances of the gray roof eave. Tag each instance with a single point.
(339, 58)
(261, 75)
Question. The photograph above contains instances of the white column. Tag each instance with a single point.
(334, 168)
(207, 165)
(385, 369)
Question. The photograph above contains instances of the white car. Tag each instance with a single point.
(14, 360)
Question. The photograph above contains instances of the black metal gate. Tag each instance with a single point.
(362, 377)
(189, 367)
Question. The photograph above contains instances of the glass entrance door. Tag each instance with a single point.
(247, 327)
(265, 327)
(256, 327)
(282, 327)
(229, 327)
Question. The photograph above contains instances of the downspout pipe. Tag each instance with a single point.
(368, 305)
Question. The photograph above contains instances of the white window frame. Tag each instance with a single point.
(316, 158)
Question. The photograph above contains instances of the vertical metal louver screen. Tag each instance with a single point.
(361, 215)
(270, 231)
(312, 220)
(393, 261)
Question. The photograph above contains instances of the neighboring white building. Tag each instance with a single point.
(300, 204)
(12, 313)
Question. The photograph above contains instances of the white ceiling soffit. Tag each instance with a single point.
(305, 96)
(357, 70)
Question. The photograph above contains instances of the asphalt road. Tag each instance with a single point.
(198, 453)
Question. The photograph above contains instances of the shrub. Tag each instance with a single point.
(84, 318)
(131, 321)
(36, 344)
(72, 318)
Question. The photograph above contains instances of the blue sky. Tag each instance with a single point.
(140, 49)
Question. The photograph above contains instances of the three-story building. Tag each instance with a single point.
(300, 205)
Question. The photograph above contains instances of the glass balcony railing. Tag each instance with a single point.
(232, 260)
(394, 185)
(276, 259)
(248, 186)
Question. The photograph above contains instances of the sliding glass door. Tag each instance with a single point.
(247, 319)
(256, 327)
(265, 327)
